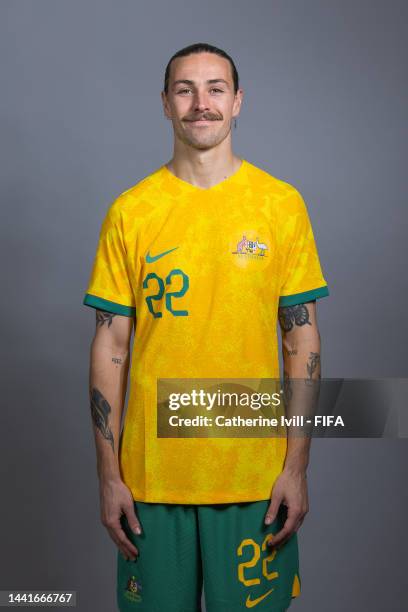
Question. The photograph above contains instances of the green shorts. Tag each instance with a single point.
(222, 545)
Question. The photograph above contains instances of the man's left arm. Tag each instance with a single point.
(301, 361)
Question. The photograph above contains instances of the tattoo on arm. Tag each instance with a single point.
(312, 365)
(100, 410)
(287, 386)
(293, 315)
(104, 317)
(117, 360)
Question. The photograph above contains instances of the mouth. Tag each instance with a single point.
(201, 122)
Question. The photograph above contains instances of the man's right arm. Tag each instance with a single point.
(108, 373)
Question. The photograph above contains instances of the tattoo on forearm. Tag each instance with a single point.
(313, 364)
(104, 317)
(117, 360)
(287, 386)
(293, 315)
(100, 410)
(291, 353)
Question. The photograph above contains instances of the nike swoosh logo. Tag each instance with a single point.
(251, 603)
(153, 258)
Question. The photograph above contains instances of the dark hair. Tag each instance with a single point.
(201, 48)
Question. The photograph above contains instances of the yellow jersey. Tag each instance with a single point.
(203, 271)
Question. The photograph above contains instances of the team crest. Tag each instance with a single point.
(133, 588)
(250, 248)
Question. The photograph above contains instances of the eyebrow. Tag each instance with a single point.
(189, 82)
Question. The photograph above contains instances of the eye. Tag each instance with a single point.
(217, 89)
(183, 90)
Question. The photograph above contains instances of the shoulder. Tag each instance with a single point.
(136, 201)
(281, 198)
(277, 189)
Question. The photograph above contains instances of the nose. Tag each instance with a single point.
(200, 101)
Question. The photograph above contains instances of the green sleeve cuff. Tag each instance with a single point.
(108, 306)
(306, 296)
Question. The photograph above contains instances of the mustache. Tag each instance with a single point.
(207, 116)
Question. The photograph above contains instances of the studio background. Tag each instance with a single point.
(81, 121)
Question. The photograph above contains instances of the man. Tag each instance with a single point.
(201, 257)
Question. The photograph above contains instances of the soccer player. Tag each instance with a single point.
(200, 260)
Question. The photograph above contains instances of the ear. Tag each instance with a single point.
(166, 107)
(236, 107)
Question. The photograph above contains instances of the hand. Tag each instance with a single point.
(290, 489)
(116, 499)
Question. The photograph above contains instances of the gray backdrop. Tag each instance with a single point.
(81, 121)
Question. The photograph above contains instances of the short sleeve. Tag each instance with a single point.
(109, 286)
(302, 277)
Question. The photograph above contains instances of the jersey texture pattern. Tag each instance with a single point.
(203, 272)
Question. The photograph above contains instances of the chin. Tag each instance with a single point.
(205, 144)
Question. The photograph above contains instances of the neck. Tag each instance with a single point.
(204, 168)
